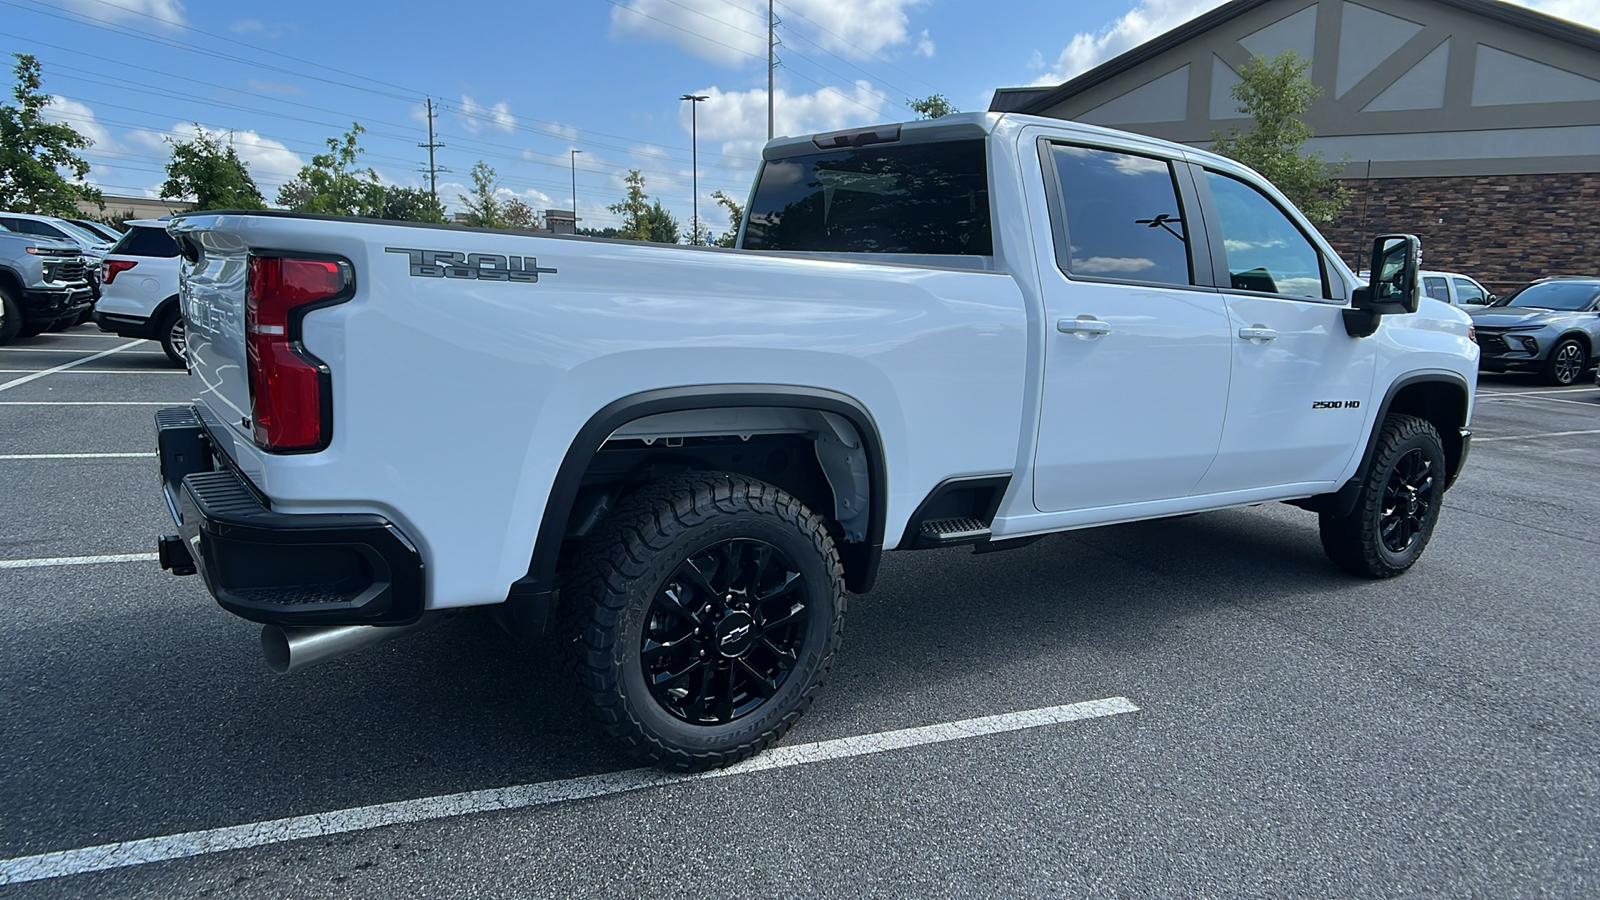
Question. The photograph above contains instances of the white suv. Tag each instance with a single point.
(139, 290)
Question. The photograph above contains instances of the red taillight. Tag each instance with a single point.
(115, 267)
(289, 388)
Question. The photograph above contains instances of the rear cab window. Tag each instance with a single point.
(1122, 217)
(919, 198)
(142, 241)
(1436, 288)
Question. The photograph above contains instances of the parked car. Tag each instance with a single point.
(974, 330)
(1455, 289)
(43, 282)
(1551, 326)
(105, 231)
(93, 245)
(139, 296)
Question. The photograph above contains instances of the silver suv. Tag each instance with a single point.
(43, 284)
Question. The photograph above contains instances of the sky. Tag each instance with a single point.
(521, 85)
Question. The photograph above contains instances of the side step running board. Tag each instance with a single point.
(950, 532)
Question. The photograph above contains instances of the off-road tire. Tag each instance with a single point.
(624, 565)
(169, 342)
(11, 322)
(1356, 542)
(1567, 362)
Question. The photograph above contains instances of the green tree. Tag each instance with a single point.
(34, 153)
(518, 214)
(660, 226)
(411, 205)
(482, 208)
(932, 106)
(634, 209)
(211, 172)
(735, 218)
(333, 184)
(1276, 93)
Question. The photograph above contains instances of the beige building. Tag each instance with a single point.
(1472, 123)
(124, 208)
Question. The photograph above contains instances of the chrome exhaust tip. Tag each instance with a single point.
(289, 649)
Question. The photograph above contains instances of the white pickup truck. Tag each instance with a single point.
(974, 330)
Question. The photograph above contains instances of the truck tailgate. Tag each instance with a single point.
(212, 295)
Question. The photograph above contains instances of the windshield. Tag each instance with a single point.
(81, 233)
(1569, 296)
(884, 198)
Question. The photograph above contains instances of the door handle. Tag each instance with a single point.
(1083, 326)
(1257, 333)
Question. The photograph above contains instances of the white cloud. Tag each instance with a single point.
(1152, 18)
(925, 45)
(739, 118)
(80, 117)
(169, 12)
(271, 163)
(475, 117)
(734, 32)
(1103, 265)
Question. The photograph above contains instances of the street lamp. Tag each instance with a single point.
(694, 155)
(574, 157)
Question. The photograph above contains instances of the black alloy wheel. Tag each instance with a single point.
(1401, 491)
(1567, 363)
(1408, 499)
(725, 632)
(702, 617)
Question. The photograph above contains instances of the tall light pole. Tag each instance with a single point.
(772, 41)
(694, 155)
(574, 157)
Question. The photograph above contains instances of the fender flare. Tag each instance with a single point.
(1342, 501)
(531, 594)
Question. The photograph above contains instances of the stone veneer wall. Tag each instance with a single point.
(1503, 230)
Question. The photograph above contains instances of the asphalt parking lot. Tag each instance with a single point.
(1272, 727)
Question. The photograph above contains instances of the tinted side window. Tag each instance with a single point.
(1123, 219)
(885, 198)
(1436, 288)
(146, 242)
(29, 226)
(1266, 251)
(1468, 292)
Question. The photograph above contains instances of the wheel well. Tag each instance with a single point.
(163, 307)
(10, 281)
(1581, 337)
(819, 445)
(1441, 403)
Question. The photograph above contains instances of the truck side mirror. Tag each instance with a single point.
(1393, 285)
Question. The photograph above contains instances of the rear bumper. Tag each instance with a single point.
(272, 567)
(126, 326)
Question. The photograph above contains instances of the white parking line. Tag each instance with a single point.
(1536, 393)
(1529, 437)
(103, 371)
(65, 349)
(256, 834)
(18, 382)
(75, 561)
(92, 402)
(1589, 403)
(73, 455)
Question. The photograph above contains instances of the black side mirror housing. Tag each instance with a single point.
(1393, 286)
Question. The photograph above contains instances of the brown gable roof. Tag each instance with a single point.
(1038, 100)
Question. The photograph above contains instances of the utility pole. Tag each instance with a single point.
(430, 146)
(573, 155)
(772, 26)
(694, 156)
